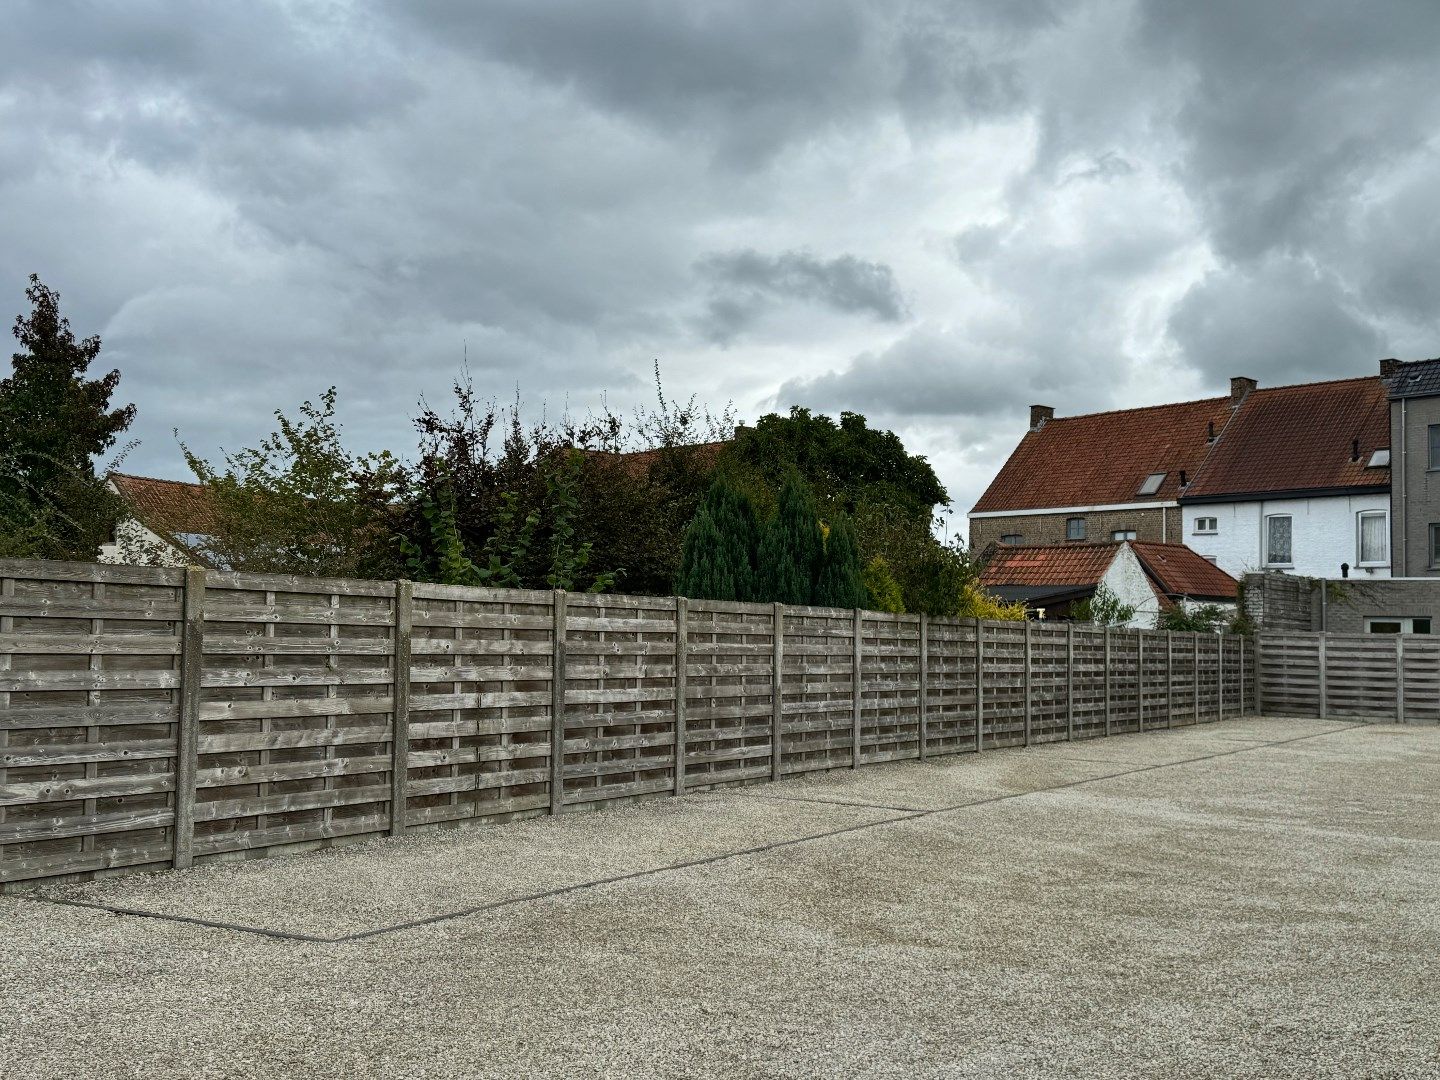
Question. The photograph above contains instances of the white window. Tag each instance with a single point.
(1277, 540)
(1075, 529)
(1378, 459)
(1152, 483)
(1206, 525)
(1123, 534)
(1372, 544)
(1398, 625)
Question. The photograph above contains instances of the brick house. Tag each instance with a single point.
(1294, 478)
(168, 524)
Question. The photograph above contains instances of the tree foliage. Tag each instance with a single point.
(720, 547)
(1103, 608)
(791, 548)
(840, 582)
(300, 503)
(54, 422)
(884, 591)
(1204, 619)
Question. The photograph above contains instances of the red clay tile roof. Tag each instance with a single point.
(1049, 564)
(1300, 438)
(1103, 458)
(168, 507)
(1181, 572)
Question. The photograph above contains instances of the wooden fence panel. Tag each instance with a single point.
(818, 689)
(479, 720)
(1289, 670)
(1422, 679)
(890, 687)
(950, 687)
(1004, 668)
(155, 716)
(89, 706)
(728, 708)
(1049, 682)
(295, 712)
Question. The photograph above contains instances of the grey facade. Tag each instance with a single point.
(1342, 606)
(1415, 469)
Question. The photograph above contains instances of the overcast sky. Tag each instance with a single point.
(933, 213)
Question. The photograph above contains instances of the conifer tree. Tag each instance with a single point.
(840, 583)
(718, 557)
(791, 548)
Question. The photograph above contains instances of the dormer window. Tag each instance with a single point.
(1379, 459)
(1152, 483)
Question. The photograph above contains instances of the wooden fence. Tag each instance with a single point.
(156, 717)
(1393, 678)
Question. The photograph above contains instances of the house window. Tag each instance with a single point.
(1075, 529)
(1373, 538)
(1123, 534)
(1277, 540)
(1011, 538)
(1435, 446)
(1435, 545)
(1154, 480)
(1206, 525)
(1398, 625)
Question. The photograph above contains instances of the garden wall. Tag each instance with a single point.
(154, 717)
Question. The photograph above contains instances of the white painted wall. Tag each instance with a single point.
(1126, 579)
(1324, 533)
(135, 545)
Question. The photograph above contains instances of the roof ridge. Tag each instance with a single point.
(153, 479)
(1137, 408)
(1316, 382)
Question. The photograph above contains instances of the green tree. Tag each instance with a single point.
(1205, 619)
(885, 592)
(791, 548)
(299, 503)
(840, 582)
(1103, 608)
(53, 423)
(719, 552)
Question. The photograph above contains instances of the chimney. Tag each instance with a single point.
(1390, 367)
(1039, 414)
(1240, 388)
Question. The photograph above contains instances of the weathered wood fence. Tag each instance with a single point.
(156, 717)
(1393, 678)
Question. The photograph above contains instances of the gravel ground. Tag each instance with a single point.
(1270, 912)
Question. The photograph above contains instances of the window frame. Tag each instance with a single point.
(1433, 433)
(1405, 624)
(1013, 539)
(1159, 481)
(1269, 520)
(1360, 517)
(1211, 531)
(1071, 530)
(1123, 535)
(1435, 545)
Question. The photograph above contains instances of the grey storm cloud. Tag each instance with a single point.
(931, 211)
(747, 282)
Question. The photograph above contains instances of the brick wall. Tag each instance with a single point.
(1153, 525)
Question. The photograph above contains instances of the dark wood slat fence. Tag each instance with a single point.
(156, 717)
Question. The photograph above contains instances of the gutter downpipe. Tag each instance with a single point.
(1404, 490)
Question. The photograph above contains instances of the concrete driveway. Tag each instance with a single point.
(1251, 898)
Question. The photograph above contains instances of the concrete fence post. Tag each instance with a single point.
(1029, 681)
(1169, 679)
(682, 660)
(979, 686)
(856, 700)
(777, 691)
(400, 729)
(1069, 681)
(1140, 680)
(187, 730)
(1400, 678)
(557, 704)
(1324, 705)
(1107, 680)
(924, 685)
